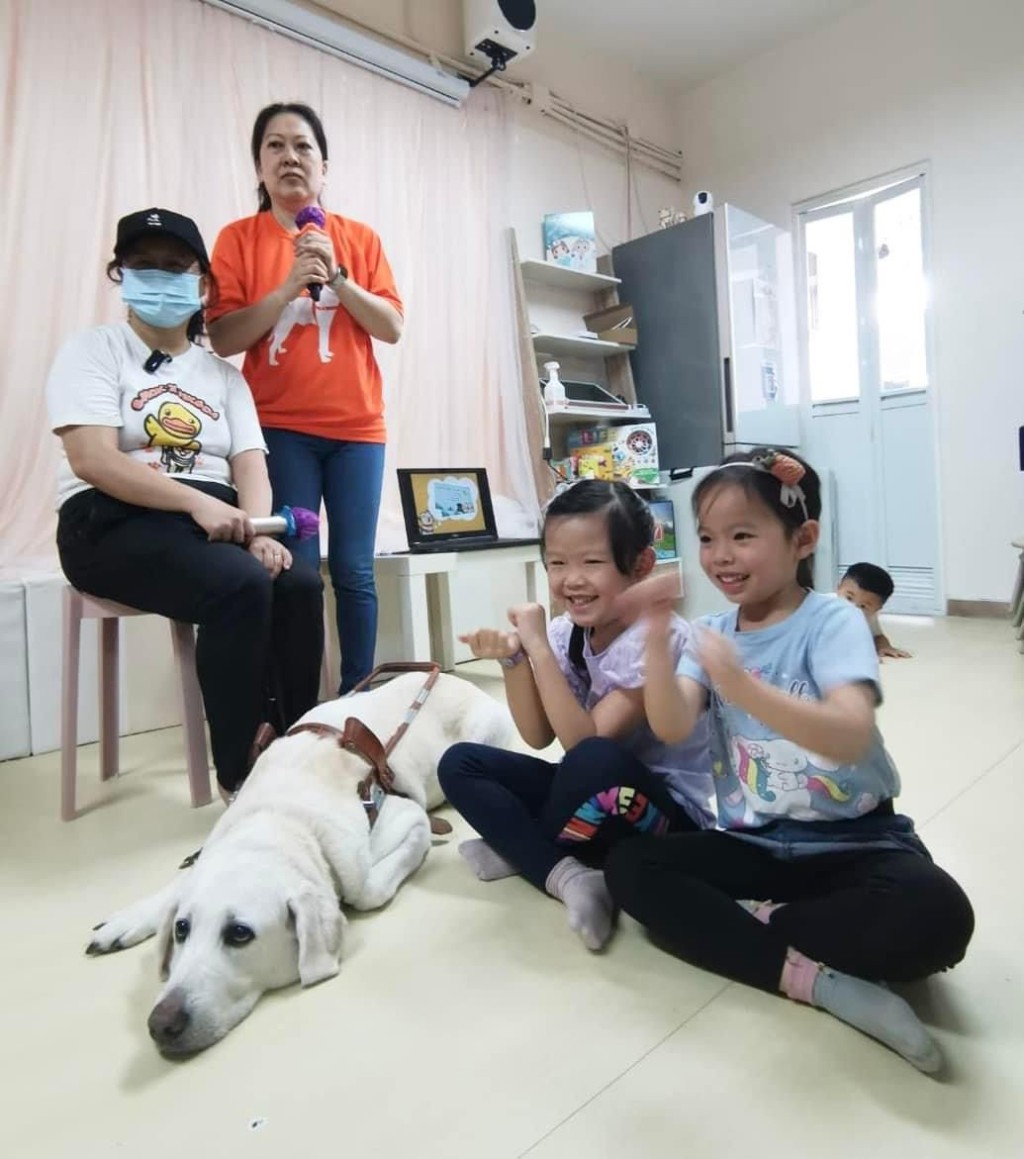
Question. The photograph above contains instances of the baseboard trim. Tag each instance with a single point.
(978, 609)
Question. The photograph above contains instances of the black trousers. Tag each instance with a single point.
(881, 915)
(260, 641)
(521, 805)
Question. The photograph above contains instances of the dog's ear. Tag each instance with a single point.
(318, 926)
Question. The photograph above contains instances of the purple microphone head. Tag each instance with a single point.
(307, 523)
(311, 215)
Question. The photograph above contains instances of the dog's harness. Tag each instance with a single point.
(362, 741)
(358, 738)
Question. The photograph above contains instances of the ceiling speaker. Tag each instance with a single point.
(499, 31)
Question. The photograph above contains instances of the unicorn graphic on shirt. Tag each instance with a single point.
(778, 777)
(303, 311)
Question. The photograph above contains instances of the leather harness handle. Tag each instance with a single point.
(363, 742)
(395, 668)
(357, 738)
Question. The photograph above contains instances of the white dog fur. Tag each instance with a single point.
(260, 908)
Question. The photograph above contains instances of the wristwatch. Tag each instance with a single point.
(341, 275)
(514, 660)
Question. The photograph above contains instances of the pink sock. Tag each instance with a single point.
(798, 977)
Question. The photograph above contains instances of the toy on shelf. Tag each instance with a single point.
(628, 453)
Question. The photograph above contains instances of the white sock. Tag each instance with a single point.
(585, 895)
(485, 863)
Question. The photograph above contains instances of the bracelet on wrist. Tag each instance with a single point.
(514, 660)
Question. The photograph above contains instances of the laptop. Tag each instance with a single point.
(449, 509)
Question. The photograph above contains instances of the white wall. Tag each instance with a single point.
(893, 83)
(553, 169)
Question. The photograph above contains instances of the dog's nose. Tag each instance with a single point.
(169, 1020)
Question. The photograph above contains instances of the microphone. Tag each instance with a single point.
(297, 522)
(155, 361)
(314, 216)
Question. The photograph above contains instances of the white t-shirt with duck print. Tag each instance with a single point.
(186, 420)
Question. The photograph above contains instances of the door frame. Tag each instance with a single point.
(809, 209)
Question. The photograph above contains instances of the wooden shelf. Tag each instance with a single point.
(550, 274)
(585, 347)
(589, 414)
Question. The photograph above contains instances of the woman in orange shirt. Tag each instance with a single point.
(309, 357)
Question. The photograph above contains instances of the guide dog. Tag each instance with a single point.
(259, 908)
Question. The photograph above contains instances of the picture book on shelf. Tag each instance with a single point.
(664, 528)
(570, 239)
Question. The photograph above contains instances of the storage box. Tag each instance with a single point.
(628, 453)
(613, 324)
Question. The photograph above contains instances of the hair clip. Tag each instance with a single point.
(561, 487)
(784, 467)
(788, 471)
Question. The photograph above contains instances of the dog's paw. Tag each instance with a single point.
(125, 929)
(101, 944)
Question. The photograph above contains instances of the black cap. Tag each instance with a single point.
(153, 221)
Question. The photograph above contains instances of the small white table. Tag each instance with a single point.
(421, 585)
(421, 577)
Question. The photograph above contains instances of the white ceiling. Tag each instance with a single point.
(684, 42)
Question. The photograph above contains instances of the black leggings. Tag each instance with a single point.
(521, 805)
(881, 915)
(260, 641)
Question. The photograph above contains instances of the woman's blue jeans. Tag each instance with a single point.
(347, 476)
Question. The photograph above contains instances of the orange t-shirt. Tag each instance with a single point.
(315, 372)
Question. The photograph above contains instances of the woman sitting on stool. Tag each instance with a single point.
(163, 464)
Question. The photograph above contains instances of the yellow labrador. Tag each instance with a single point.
(260, 907)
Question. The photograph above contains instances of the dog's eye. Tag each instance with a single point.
(182, 928)
(238, 935)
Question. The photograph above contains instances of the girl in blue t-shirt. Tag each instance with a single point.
(804, 785)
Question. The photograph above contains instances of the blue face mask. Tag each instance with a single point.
(160, 298)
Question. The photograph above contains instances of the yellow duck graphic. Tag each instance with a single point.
(174, 428)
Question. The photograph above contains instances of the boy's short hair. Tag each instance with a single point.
(871, 578)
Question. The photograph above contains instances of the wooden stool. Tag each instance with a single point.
(79, 607)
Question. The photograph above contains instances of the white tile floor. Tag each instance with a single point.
(468, 1021)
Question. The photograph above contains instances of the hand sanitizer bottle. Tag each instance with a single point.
(554, 391)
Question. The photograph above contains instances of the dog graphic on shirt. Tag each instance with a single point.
(303, 311)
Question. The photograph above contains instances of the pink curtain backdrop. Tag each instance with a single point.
(114, 105)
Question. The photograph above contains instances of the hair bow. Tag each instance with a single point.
(789, 472)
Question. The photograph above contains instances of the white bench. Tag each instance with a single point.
(425, 602)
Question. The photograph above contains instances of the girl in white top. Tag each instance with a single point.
(162, 465)
(578, 680)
